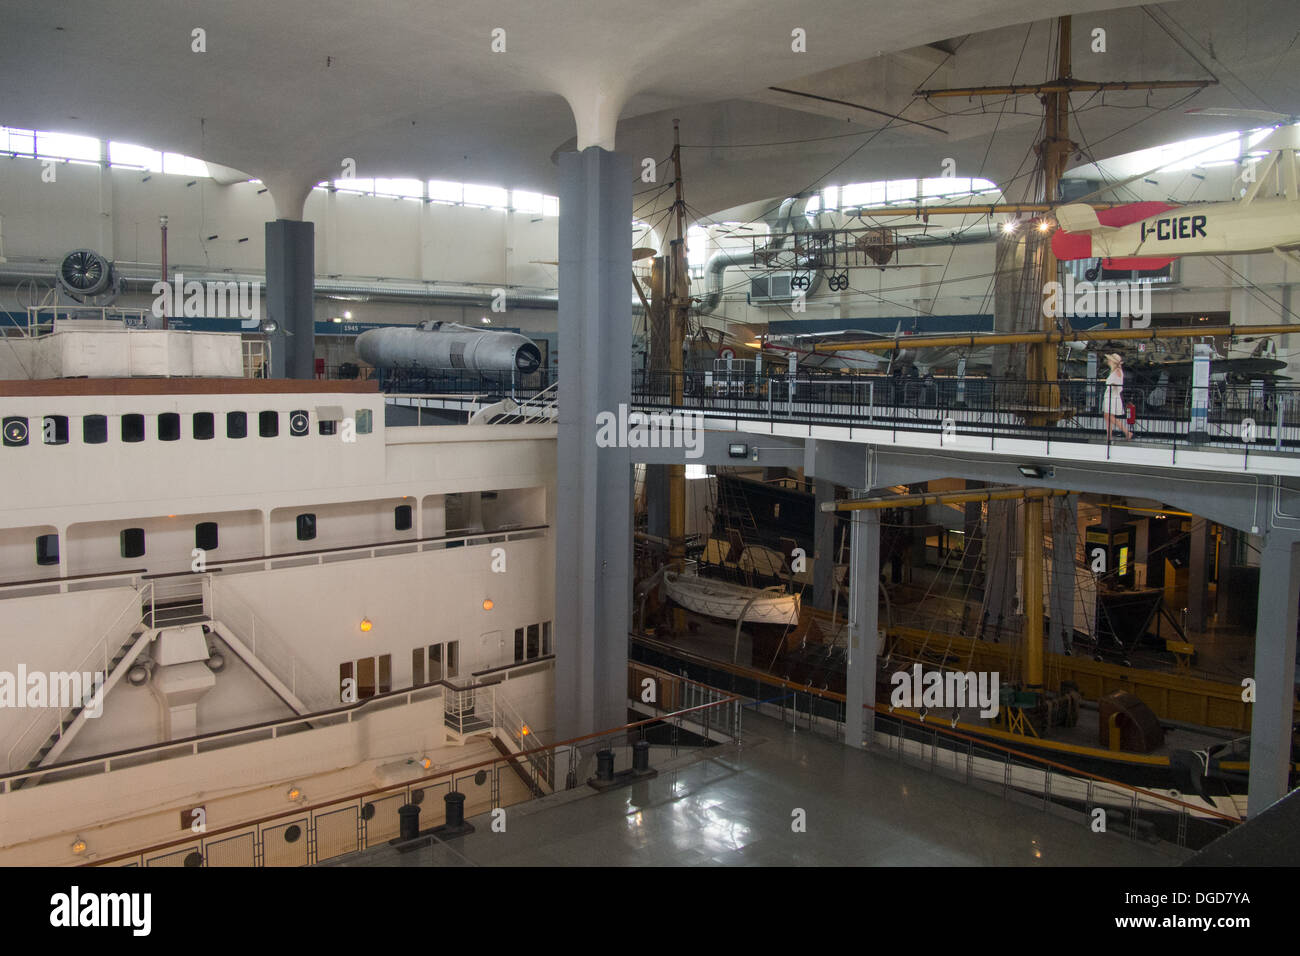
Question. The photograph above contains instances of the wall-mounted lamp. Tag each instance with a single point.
(426, 763)
(294, 794)
(366, 625)
(78, 846)
(488, 604)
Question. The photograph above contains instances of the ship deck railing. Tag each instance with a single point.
(335, 829)
(1136, 812)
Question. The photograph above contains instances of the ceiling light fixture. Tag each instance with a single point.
(1035, 471)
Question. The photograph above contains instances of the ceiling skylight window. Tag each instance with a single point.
(67, 146)
(180, 165)
(17, 141)
(140, 157)
(354, 185)
(493, 196)
(524, 201)
(403, 188)
(440, 191)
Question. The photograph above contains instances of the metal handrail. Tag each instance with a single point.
(727, 705)
(98, 654)
(1007, 753)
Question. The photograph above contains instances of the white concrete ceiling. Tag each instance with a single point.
(287, 90)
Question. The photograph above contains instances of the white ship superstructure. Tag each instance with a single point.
(230, 552)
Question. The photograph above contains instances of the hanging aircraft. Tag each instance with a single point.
(1150, 235)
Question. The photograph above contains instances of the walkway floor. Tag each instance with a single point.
(737, 807)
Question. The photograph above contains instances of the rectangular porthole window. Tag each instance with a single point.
(132, 428)
(306, 527)
(55, 429)
(204, 426)
(268, 424)
(402, 518)
(385, 673)
(365, 678)
(453, 658)
(417, 667)
(435, 662)
(133, 542)
(94, 429)
(47, 550)
(169, 427)
(519, 644)
(534, 641)
(236, 424)
(546, 638)
(365, 423)
(205, 535)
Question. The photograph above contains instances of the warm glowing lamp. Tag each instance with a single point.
(366, 625)
(487, 604)
(294, 793)
(78, 845)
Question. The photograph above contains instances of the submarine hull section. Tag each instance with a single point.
(456, 348)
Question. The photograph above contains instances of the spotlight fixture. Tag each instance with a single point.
(488, 604)
(426, 763)
(1035, 471)
(216, 661)
(485, 320)
(268, 326)
(1009, 226)
(1044, 225)
(78, 846)
(366, 625)
(294, 794)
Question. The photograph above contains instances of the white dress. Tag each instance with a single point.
(1112, 401)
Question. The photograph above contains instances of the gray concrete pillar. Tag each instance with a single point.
(824, 545)
(290, 285)
(656, 499)
(593, 537)
(1065, 523)
(1198, 578)
(1275, 646)
(864, 637)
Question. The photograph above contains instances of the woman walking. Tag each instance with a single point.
(1112, 401)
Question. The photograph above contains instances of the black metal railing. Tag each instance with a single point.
(1252, 417)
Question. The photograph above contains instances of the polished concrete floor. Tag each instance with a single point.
(737, 806)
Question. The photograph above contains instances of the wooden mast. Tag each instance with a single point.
(678, 291)
(1041, 368)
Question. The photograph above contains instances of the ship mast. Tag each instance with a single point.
(1043, 398)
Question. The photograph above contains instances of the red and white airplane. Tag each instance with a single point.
(1150, 235)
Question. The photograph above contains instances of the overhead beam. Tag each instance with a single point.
(1069, 86)
(945, 498)
(978, 340)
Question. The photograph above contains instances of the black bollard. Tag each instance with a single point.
(408, 821)
(455, 810)
(641, 756)
(604, 765)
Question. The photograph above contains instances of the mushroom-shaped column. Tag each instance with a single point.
(290, 280)
(593, 537)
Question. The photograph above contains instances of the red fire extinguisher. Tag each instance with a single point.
(1132, 412)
